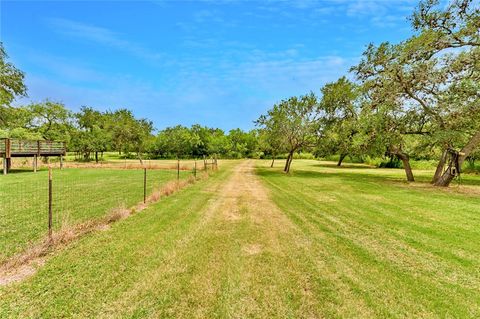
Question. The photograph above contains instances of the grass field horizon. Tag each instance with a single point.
(251, 241)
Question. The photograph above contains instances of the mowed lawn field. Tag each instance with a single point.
(253, 242)
(78, 195)
(384, 247)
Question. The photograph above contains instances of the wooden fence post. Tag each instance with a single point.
(195, 169)
(50, 199)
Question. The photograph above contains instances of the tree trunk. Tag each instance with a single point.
(96, 157)
(273, 161)
(406, 165)
(340, 160)
(289, 162)
(446, 178)
(286, 163)
(440, 166)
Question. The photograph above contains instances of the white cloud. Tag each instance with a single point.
(102, 36)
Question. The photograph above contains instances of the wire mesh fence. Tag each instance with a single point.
(78, 194)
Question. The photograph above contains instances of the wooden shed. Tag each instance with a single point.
(11, 147)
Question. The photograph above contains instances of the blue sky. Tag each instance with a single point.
(217, 63)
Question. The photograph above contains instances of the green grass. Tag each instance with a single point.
(95, 274)
(396, 250)
(345, 242)
(78, 195)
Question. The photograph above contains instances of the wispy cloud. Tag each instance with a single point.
(374, 10)
(67, 70)
(102, 36)
(246, 89)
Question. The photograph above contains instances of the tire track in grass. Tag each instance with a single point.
(244, 258)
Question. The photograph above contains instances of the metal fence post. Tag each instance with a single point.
(195, 169)
(144, 185)
(178, 169)
(50, 199)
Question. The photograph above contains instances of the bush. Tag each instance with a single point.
(391, 163)
(373, 161)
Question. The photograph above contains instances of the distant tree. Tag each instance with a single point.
(141, 137)
(93, 134)
(241, 144)
(270, 141)
(201, 135)
(218, 142)
(177, 141)
(18, 124)
(296, 120)
(341, 106)
(52, 120)
(383, 131)
(129, 134)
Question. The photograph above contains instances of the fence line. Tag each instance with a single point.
(34, 205)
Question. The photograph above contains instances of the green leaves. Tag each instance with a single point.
(11, 80)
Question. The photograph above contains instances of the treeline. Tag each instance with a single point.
(89, 133)
(416, 99)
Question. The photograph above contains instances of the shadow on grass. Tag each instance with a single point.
(362, 176)
(344, 165)
(16, 171)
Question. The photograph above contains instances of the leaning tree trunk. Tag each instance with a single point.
(440, 166)
(340, 160)
(406, 165)
(446, 178)
(288, 162)
(273, 161)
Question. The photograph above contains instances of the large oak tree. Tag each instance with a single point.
(434, 75)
